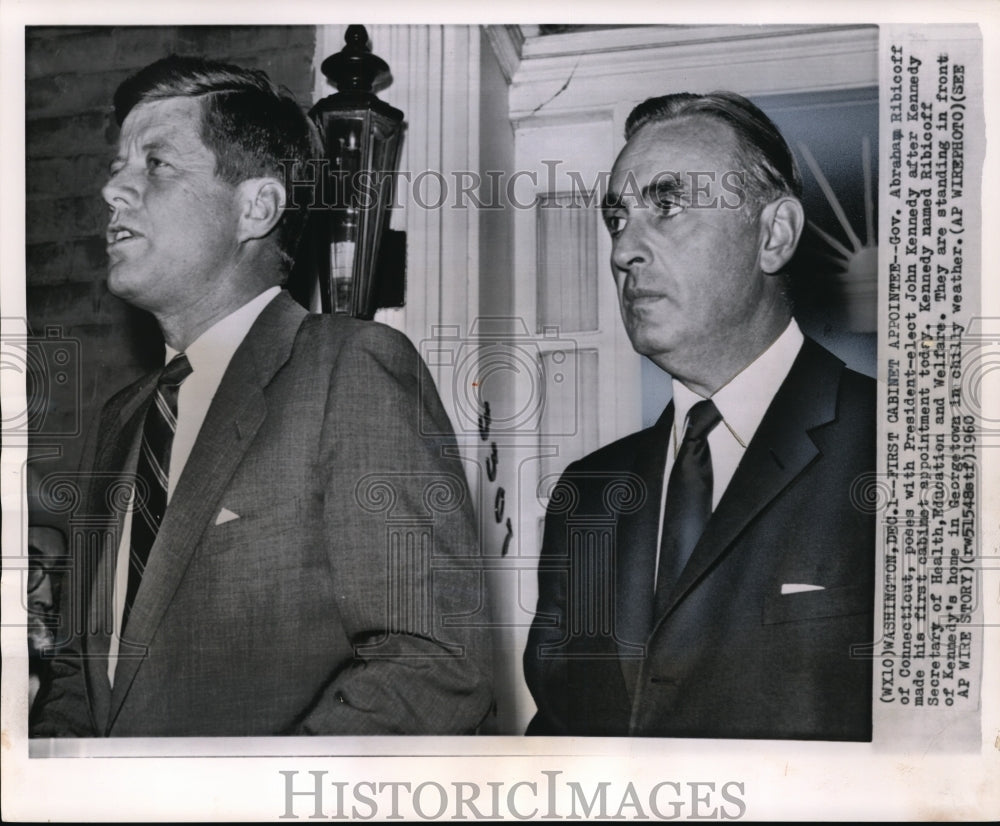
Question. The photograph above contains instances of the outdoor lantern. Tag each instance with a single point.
(362, 136)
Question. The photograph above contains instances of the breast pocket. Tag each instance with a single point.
(239, 525)
(842, 601)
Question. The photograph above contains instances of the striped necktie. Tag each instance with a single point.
(150, 500)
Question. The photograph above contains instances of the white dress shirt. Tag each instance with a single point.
(742, 403)
(209, 356)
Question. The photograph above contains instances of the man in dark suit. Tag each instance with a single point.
(712, 576)
(293, 554)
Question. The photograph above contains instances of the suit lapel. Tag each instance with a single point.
(635, 552)
(118, 444)
(779, 451)
(232, 421)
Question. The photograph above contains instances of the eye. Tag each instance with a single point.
(670, 207)
(154, 163)
(667, 201)
(615, 222)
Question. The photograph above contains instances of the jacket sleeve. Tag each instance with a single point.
(64, 710)
(403, 549)
(546, 675)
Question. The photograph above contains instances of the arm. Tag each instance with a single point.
(63, 711)
(414, 670)
(546, 676)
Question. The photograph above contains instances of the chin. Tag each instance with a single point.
(115, 285)
(647, 345)
(123, 284)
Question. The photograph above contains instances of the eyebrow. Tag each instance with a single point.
(159, 145)
(155, 145)
(611, 200)
(661, 185)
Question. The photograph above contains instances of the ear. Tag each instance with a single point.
(261, 202)
(781, 223)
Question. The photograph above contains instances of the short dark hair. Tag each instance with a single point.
(769, 164)
(250, 125)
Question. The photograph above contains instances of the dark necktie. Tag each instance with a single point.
(689, 501)
(153, 472)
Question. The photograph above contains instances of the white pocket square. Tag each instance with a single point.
(798, 588)
(225, 515)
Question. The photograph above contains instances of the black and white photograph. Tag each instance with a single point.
(482, 420)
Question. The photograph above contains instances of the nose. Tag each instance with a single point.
(628, 249)
(121, 190)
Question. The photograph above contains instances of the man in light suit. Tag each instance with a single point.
(313, 552)
(712, 576)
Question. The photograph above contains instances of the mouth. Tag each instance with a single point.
(118, 234)
(642, 296)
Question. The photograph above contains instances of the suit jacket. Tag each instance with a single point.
(329, 605)
(733, 656)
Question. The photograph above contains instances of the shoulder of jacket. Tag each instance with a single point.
(617, 455)
(339, 331)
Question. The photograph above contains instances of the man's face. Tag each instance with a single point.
(172, 229)
(683, 252)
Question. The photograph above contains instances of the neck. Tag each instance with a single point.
(180, 329)
(248, 276)
(719, 361)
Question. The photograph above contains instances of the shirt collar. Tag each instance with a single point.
(212, 351)
(744, 400)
